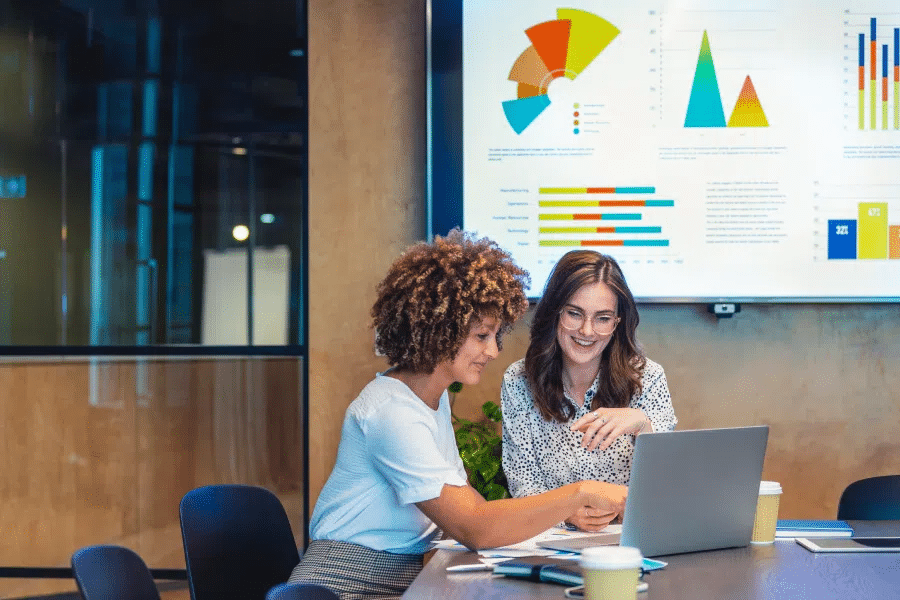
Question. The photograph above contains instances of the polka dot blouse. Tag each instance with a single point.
(541, 455)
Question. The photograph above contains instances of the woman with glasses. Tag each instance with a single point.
(574, 405)
(398, 479)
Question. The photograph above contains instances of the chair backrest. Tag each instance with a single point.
(237, 540)
(112, 573)
(301, 591)
(871, 499)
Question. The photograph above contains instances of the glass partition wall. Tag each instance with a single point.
(152, 268)
(152, 167)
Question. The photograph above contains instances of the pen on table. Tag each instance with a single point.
(470, 567)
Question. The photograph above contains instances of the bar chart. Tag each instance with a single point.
(868, 237)
(624, 216)
(875, 97)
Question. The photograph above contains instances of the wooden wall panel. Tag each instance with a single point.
(826, 378)
(366, 190)
(103, 451)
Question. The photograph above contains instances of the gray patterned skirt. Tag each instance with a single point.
(355, 572)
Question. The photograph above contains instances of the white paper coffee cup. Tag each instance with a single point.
(611, 572)
(766, 513)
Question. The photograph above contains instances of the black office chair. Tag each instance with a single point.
(112, 573)
(871, 499)
(238, 542)
(301, 591)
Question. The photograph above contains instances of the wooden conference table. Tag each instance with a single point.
(783, 570)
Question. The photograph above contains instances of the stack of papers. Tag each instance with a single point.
(794, 528)
(528, 547)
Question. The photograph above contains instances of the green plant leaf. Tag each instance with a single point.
(495, 491)
(492, 411)
(455, 387)
(479, 449)
(488, 469)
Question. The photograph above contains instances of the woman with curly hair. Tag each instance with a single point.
(574, 405)
(398, 480)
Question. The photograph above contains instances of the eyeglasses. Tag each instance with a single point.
(602, 324)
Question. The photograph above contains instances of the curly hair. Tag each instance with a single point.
(621, 362)
(434, 293)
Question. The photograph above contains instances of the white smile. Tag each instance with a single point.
(584, 343)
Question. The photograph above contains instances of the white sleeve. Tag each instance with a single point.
(402, 445)
(519, 460)
(655, 400)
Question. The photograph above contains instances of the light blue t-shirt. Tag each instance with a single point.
(394, 451)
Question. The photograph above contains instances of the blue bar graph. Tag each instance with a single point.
(841, 239)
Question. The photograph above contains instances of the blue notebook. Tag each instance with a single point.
(554, 570)
(791, 528)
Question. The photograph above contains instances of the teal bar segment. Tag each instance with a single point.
(621, 217)
(645, 242)
(660, 203)
(638, 229)
(635, 190)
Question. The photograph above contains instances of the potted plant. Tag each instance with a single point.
(480, 450)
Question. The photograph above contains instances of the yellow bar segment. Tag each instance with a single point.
(897, 105)
(562, 190)
(555, 218)
(567, 230)
(873, 230)
(873, 90)
(564, 203)
(862, 109)
(559, 243)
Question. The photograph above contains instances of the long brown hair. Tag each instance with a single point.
(621, 362)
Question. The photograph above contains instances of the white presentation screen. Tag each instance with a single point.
(747, 151)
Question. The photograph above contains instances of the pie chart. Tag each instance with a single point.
(563, 47)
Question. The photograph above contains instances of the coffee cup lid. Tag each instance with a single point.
(611, 557)
(769, 488)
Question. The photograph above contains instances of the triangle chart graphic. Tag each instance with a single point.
(705, 106)
(748, 111)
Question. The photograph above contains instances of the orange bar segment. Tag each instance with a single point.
(599, 190)
(894, 241)
(602, 243)
(873, 58)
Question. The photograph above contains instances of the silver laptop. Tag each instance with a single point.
(690, 490)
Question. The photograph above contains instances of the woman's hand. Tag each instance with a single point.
(601, 427)
(591, 519)
(602, 497)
